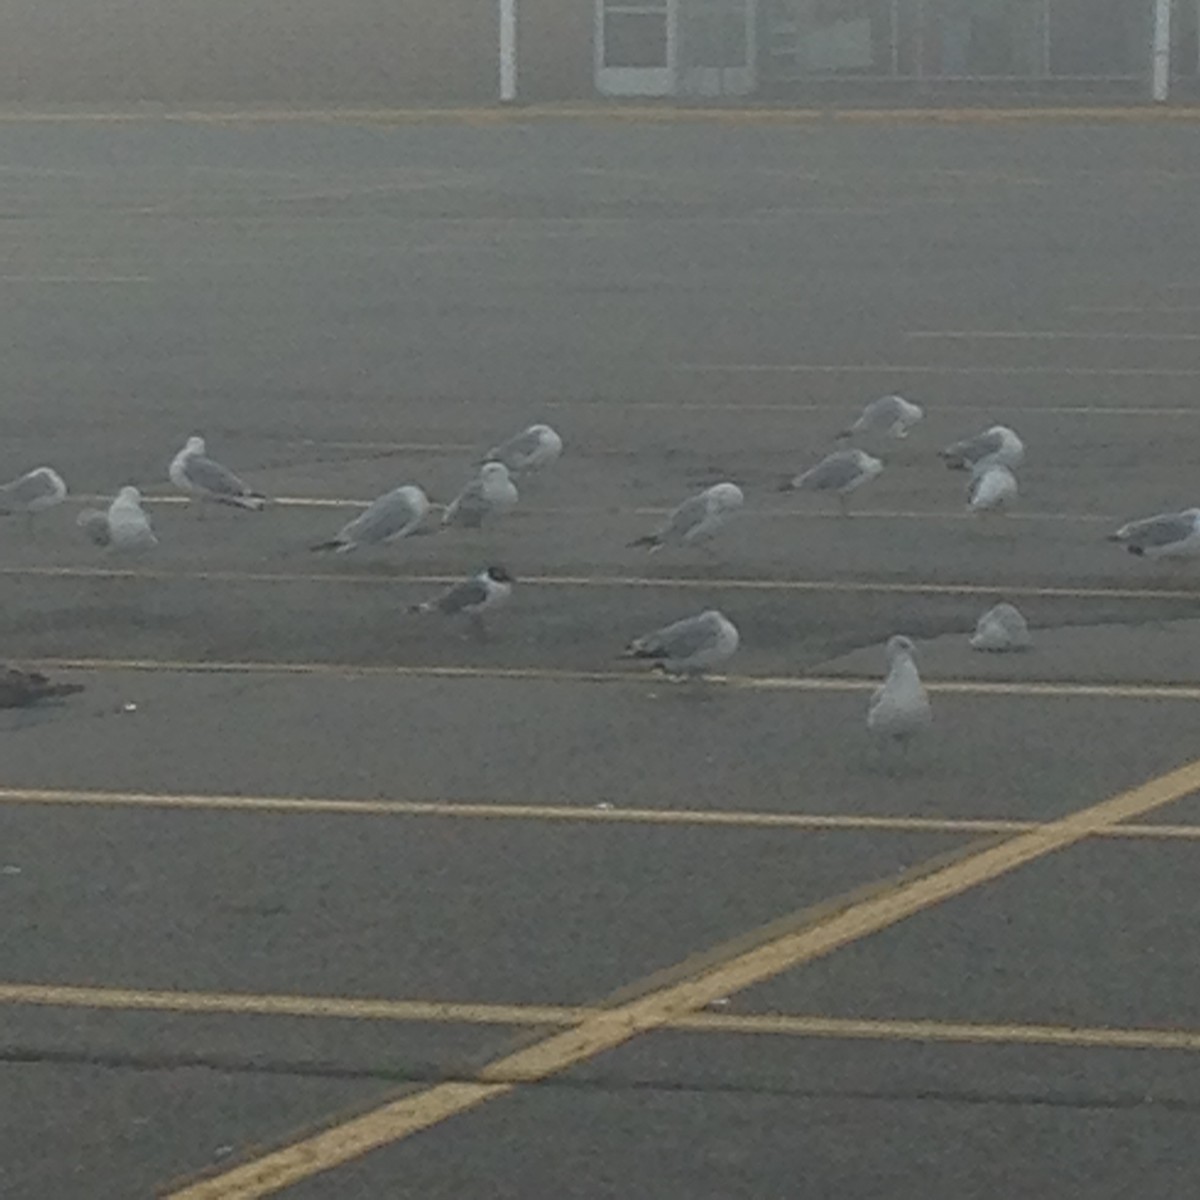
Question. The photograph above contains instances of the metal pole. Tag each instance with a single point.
(508, 51)
(1161, 73)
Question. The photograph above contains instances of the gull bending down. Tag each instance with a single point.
(33, 492)
(532, 448)
(696, 519)
(999, 444)
(890, 416)
(843, 472)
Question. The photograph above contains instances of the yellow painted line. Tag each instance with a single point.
(610, 1028)
(962, 1032)
(75, 279)
(1047, 335)
(274, 1005)
(597, 815)
(621, 113)
(709, 584)
(509, 812)
(637, 674)
(797, 513)
(1130, 310)
(240, 1004)
(910, 369)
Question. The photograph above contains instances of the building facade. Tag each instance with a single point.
(394, 52)
(744, 47)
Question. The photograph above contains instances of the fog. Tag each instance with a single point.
(411, 51)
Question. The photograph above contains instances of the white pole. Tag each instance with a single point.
(508, 51)
(1161, 74)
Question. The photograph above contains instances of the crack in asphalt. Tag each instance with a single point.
(427, 1074)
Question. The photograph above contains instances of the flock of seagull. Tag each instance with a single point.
(689, 648)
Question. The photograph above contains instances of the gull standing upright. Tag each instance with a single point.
(890, 416)
(529, 450)
(489, 589)
(992, 488)
(1168, 535)
(689, 647)
(1000, 629)
(490, 494)
(194, 473)
(843, 472)
(129, 527)
(999, 444)
(696, 519)
(33, 492)
(388, 518)
(899, 709)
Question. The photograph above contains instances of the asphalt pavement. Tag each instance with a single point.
(309, 895)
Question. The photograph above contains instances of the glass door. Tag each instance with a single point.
(636, 47)
(717, 42)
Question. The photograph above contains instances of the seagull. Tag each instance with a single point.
(532, 448)
(899, 709)
(1168, 535)
(998, 444)
(892, 416)
(696, 519)
(94, 523)
(1001, 628)
(128, 525)
(388, 518)
(992, 488)
(21, 689)
(491, 492)
(193, 472)
(688, 647)
(490, 588)
(33, 492)
(843, 472)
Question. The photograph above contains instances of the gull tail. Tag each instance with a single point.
(651, 541)
(786, 485)
(338, 547)
(427, 607)
(254, 501)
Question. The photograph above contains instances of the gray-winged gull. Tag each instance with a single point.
(33, 492)
(688, 647)
(999, 444)
(1168, 535)
(696, 519)
(491, 493)
(993, 487)
(482, 592)
(1000, 629)
(890, 416)
(843, 472)
(129, 527)
(899, 709)
(388, 518)
(193, 472)
(532, 448)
